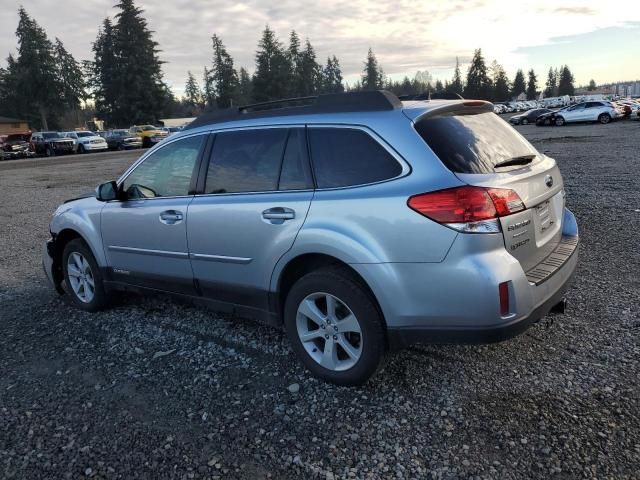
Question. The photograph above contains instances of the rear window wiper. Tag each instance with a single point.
(521, 160)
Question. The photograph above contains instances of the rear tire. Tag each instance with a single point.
(343, 328)
(604, 118)
(559, 121)
(82, 277)
(524, 121)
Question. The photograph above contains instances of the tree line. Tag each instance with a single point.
(46, 86)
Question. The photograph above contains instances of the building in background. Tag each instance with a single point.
(13, 125)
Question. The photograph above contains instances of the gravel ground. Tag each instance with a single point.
(156, 389)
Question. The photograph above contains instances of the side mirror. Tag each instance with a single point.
(107, 191)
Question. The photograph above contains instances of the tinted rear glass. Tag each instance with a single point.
(346, 156)
(246, 161)
(473, 143)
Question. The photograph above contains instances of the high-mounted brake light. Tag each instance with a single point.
(474, 103)
(468, 209)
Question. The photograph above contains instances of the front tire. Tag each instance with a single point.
(335, 327)
(146, 142)
(83, 280)
(81, 149)
(604, 118)
(524, 121)
(559, 121)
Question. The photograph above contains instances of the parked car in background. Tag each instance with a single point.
(149, 135)
(529, 116)
(122, 139)
(51, 143)
(85, 141)
(627, 107)
(170, 130)
(419, 222)
(15, 145)
(598, 111)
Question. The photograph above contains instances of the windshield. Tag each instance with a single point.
(473, 143)
(146, 128)
(85, 134)
(49, 135)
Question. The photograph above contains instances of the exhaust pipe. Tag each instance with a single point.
(559, 308)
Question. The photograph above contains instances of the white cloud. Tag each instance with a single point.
(405, 35)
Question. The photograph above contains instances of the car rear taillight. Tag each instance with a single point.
(468, 209)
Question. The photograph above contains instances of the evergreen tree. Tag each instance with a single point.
(478, 83)
(70, 77)
(519, 85)
(552, 84)
(102, 72)
(500, 82)
(32, 88)
(192, 93)
(332, 76)
(294, 57)
(208, 91)
(565, 82)
(126, 71)
(456, 85)
(309, 71)
(373, 76)
(270, 80)
(439, 86)
(141, 95)
(224, 75)
(532, 85)
(592, 85)
(245, 88)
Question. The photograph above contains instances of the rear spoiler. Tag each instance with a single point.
(462, 107)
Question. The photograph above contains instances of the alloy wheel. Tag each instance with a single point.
(329, 331)
(81, 277)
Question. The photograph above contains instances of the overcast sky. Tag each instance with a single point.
(597, 39)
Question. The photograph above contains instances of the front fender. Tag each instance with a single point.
(83, 217)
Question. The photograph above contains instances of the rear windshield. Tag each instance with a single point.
(473, 143)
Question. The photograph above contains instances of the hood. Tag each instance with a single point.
(80, 197)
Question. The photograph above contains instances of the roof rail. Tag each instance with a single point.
(368, 101)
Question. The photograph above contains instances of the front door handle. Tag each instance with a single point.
(279, 213)
(171, 217)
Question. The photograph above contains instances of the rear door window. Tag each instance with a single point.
(295, 173)
(473, 143)
(344, 157)
(246, 161)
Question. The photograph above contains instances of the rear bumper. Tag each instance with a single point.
(400, 338)
(457, 300)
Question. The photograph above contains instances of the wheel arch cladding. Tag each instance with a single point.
(303, 264)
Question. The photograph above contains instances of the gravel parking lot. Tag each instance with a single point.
(156, 389)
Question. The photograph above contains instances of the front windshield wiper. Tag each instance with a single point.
(521, 160)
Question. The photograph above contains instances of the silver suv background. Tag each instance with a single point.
(360, 223)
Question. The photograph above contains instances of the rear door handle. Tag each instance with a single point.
(279, 213)
(171, 217)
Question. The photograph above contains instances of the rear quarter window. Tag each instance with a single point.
(473, 143)
(343, 157)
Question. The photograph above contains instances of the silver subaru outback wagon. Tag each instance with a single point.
(359, 223)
